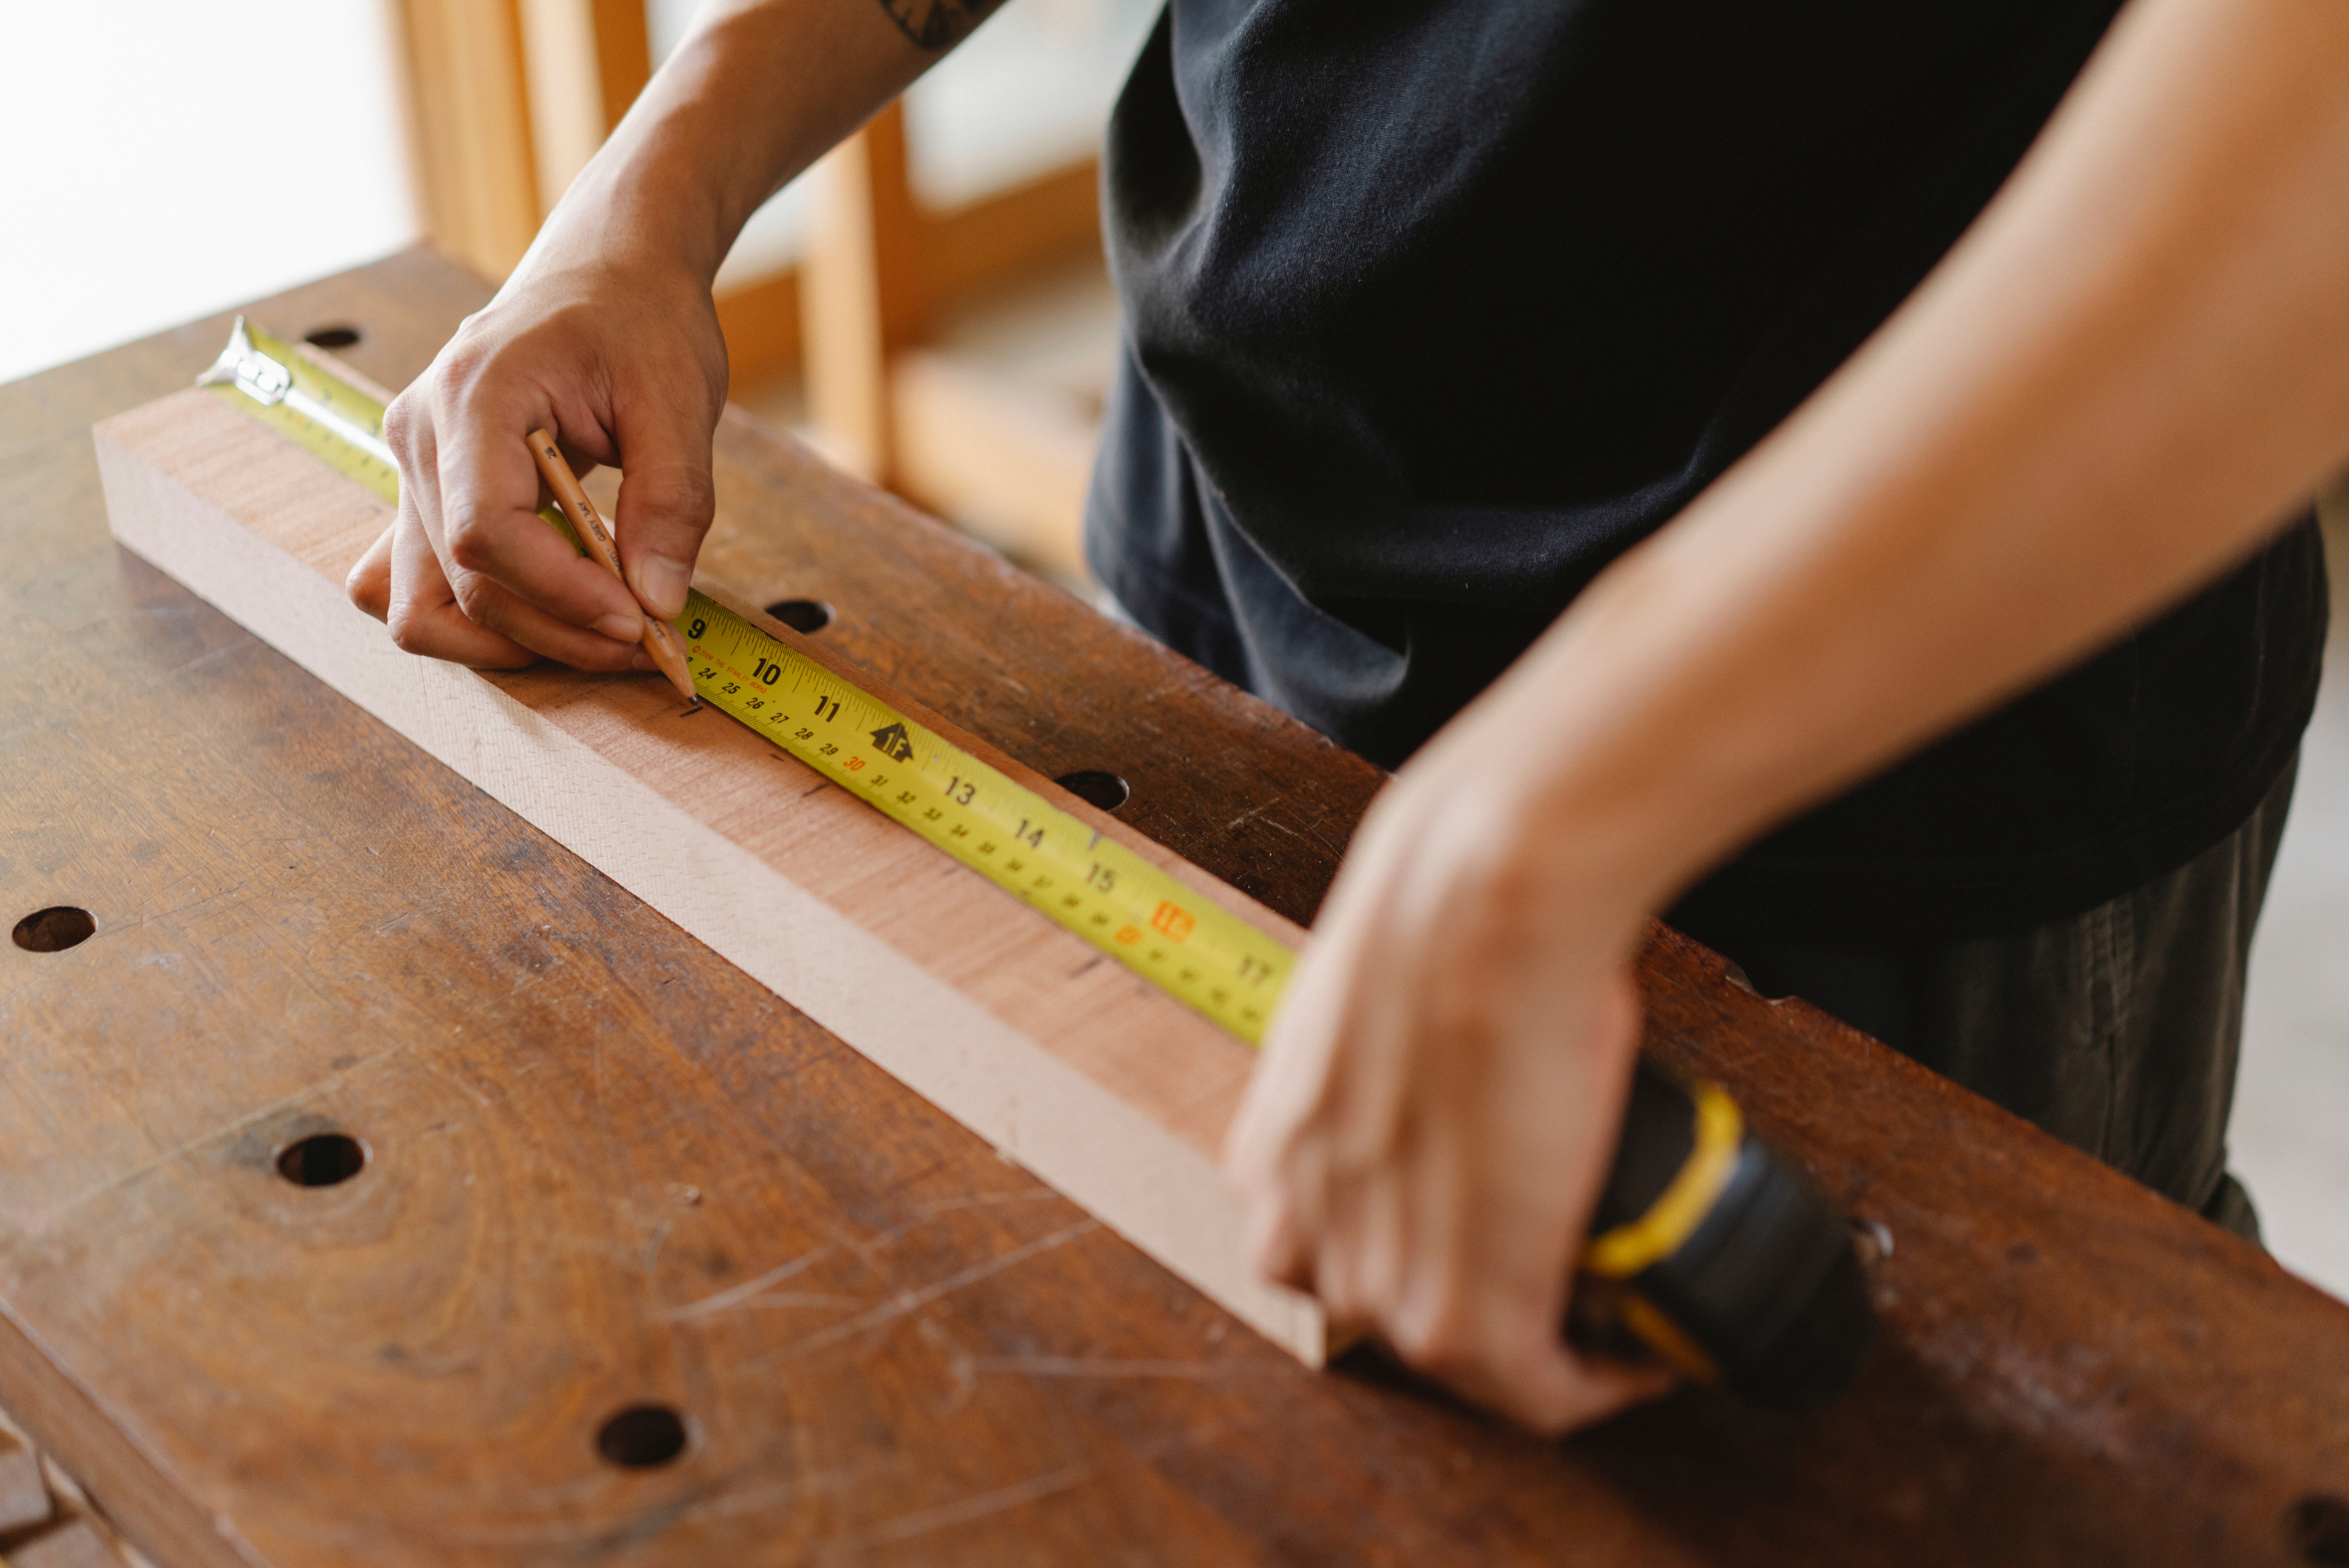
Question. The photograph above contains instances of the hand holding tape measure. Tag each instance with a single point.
(1707, 1248)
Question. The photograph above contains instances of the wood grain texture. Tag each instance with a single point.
(608, 1168)
(1109, 1089)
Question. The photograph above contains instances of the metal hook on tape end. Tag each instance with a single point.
(253, 372)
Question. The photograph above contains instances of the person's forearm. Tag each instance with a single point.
(753, 95)
(2123, 379)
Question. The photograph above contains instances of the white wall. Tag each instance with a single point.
(2293, 1102)
(161, 160)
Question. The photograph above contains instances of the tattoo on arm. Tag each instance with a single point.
(936, 25)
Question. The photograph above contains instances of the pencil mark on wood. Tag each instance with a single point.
(737, 1295)
(924, 1213)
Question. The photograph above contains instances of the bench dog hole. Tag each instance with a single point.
(802, 614)
(338, 336)
(2318, 1528)
(322, 1159)
(1095, 787)
(642, 1436)
(55, 929)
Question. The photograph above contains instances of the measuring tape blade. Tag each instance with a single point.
(1171, 934)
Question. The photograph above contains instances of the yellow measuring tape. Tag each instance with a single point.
(1163, 930)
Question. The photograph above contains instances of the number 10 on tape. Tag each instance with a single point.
(1170, 934)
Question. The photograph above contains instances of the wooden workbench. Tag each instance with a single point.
(605, 1170)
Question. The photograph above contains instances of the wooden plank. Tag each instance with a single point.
(1106, 1087)
(589, 1135)
(1222, 778)
(470, 126)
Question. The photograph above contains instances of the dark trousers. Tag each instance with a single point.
(2117, 1031)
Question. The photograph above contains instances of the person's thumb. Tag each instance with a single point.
(667, 500)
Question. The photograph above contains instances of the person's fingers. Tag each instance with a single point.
(1497, 1337)
(496, 550)
(1274, 1244)
(496, 608)
(408, 432)
(667, 497)
(1320, 1022)
(563, 589)
(473, 621)
(1545, 1387)
(423, 613)
(1375, 1250)
(369, 582)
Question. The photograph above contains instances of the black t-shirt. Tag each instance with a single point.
(1435, 307)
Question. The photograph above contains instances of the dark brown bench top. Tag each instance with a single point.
(634, 1177)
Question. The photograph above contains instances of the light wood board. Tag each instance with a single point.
(1072, 1067)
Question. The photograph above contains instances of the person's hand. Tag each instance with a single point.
(607, 335)
(625, 361)
(1424, 1144)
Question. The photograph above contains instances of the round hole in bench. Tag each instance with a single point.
(322, 1159)
(1095, 787)
(55, 929)
(341, 335)
(642, 1436)
(2318, 1528)
(802, 614)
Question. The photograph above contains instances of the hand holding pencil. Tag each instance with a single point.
(662, 643)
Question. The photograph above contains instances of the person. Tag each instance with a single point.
(1835, 473)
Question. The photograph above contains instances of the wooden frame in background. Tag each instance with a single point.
(508, 100)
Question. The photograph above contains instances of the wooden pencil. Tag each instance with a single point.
(660, 640)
